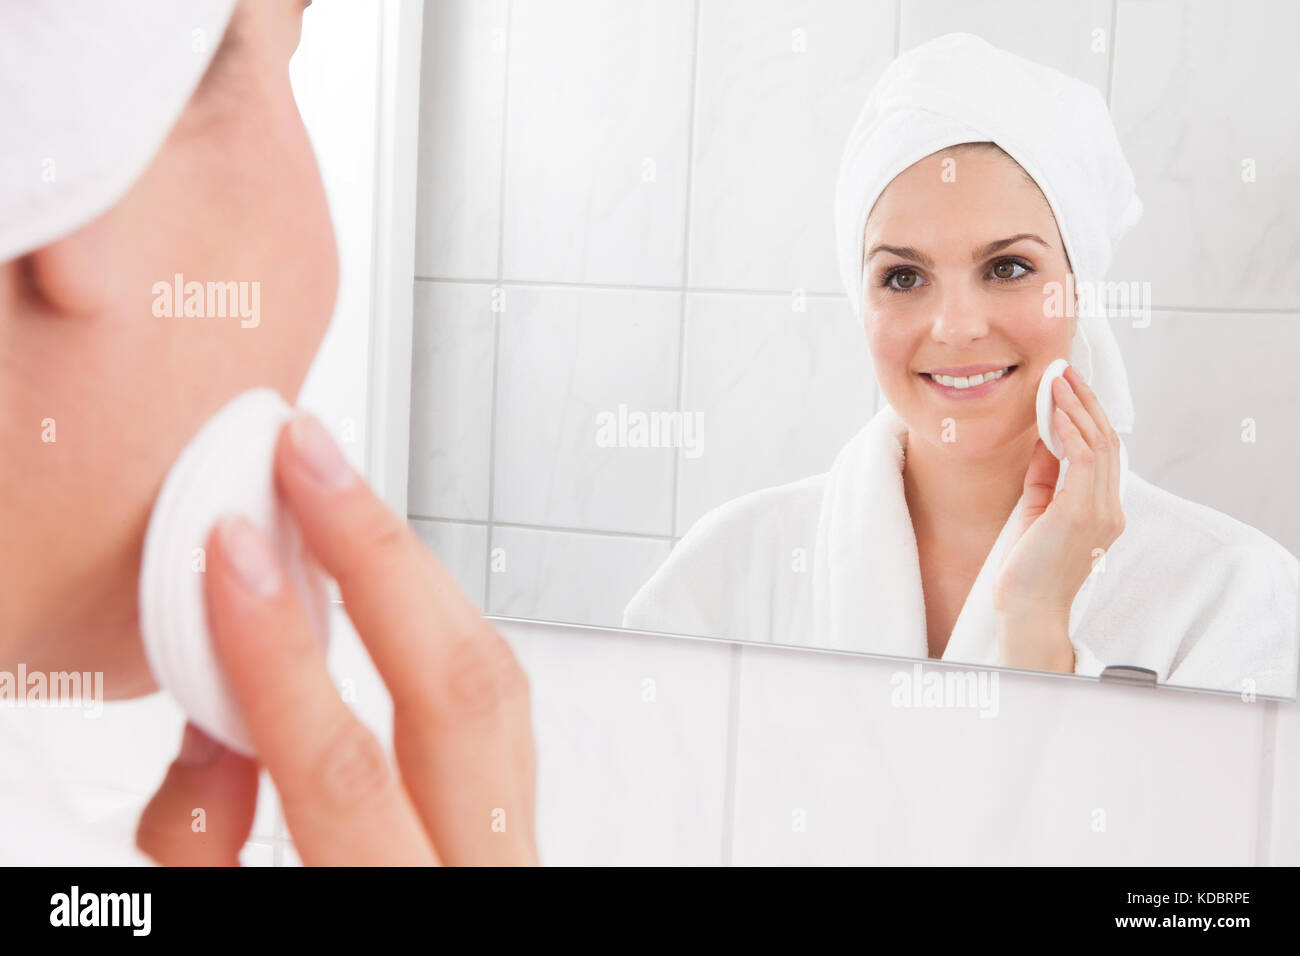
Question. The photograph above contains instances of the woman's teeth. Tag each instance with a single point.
(969, 381)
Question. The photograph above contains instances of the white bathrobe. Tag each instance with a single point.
(39, 825)
(830, 561)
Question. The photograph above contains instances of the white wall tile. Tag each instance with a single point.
(462, 106)
(1195, 93)
(451, 400)
(631, 737)
(1074, 37)
(566, 357)
(1176, 775)
(574, 578)
(462, 548)
(780, 393)
(779, 87)
(599, 100)
(1195, 378)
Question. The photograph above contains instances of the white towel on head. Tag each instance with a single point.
(91, 90)
(955, 89)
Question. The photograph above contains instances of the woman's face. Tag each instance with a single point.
(232, 196)
(959, 250)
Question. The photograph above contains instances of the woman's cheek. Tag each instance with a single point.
(891, 342)
(1042, 336)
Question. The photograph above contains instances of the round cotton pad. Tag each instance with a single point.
(227, 468)
(1045, 405)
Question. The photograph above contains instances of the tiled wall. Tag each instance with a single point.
(623, 202)
(630, 203)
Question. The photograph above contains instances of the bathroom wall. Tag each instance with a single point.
(634, 199)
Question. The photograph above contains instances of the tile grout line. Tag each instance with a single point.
(1110, 65)
(729, 772)
(496, 316)
(809, 294)
(1267, 768)
(732, 726)
(686, 263)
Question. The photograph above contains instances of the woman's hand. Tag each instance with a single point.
(1060, 537)
(463, 790)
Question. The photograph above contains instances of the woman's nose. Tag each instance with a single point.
(959, 320)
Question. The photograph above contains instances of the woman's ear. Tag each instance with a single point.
(77, 274)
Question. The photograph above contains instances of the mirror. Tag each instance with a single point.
(641, 397)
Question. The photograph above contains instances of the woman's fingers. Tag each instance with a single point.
(1108, 449)
(342, 801)
(1040, 482)
(1088, 398)
(1107, 439)
(1089, 495)
(1067, 399)
(1087, 471)
(462, 726)
(203, 812)
(1079, 474)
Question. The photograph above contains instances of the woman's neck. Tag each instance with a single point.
(964, 499)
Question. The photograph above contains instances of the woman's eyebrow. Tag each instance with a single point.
(916, 255)
(993, 247)
(903, 252)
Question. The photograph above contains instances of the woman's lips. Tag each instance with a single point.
(959, 386)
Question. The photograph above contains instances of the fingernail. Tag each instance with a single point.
(319, 452)
(255, 565)
(197, 748)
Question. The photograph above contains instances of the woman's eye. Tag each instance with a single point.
(903, 280)
(1006, 269)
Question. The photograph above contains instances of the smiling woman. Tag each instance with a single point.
(947, 528)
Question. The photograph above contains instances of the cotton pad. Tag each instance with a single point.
(1045, 407)
(225, 469)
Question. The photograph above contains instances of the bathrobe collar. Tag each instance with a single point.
(866, 571)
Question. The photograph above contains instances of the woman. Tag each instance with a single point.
(133, 152)
(976, 188)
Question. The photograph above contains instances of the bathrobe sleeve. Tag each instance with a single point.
(1247, 642)
(740, 573)
(1204, 600)
(38, 823)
